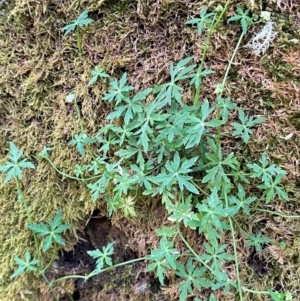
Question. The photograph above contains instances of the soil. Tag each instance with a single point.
(133, 279)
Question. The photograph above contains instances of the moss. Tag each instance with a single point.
(39, 67)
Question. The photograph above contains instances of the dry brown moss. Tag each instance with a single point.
(39, 67)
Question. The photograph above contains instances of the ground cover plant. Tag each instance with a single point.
(158, 143)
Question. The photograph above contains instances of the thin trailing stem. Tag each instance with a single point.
(205, 48)
(223, 85)
(78, 36)
(96, 272)
(235, 252)
(192, 250)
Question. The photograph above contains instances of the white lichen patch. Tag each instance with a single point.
(261, 42)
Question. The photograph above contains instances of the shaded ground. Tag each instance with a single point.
(124, 283)
(39, 68)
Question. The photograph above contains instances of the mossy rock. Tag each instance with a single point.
(40, 67)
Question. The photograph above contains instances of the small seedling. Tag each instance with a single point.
(14, 167)
(243, 17)
(52, 233)
(97, 73)
(80, 22)
(26, 265)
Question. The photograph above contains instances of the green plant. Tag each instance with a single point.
(51, 234)
(165, 147)
(77, 24)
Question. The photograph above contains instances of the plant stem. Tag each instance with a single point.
(95, 272)
(192, 250)
(222, 88)
(235, 251)
(69, 176)
(78, 40)
(276, 213)
(207, 40)
(51, 289)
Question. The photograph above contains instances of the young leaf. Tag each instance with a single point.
(70, 97)
(243, 128)
(183, 212)
(80, 140)
(257, 241)
(243, 17)
(97, 73)
(26, 265)
(44, 152)
(81, 21)
(14, 168)
(103, 257)
(265, 172)
(193, 277)
(177, 171)
(276, 296)
(205, 20)
(113, 203)
(51, 233)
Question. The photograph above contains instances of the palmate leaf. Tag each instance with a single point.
(176, 172)
(257, 241)
(198, 125)
(265, 172)
(14, 168)
(146, 121)
(193, 277)
(243, 17)
(159, 266)
(131, 107)
(183, 212)
(97, 73)
(166, 231)
(169, 91)
(118, 91)
(163, 257)
(211, 215)
(215, 256)
(225, 105)
(241, 202)
(102, 256)
(80, 140)
(51, 233)
(243, 129)
(81, 21)
(25, 265)
(205, 20)
(273, 189)
(126, 205)
(197, 77)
